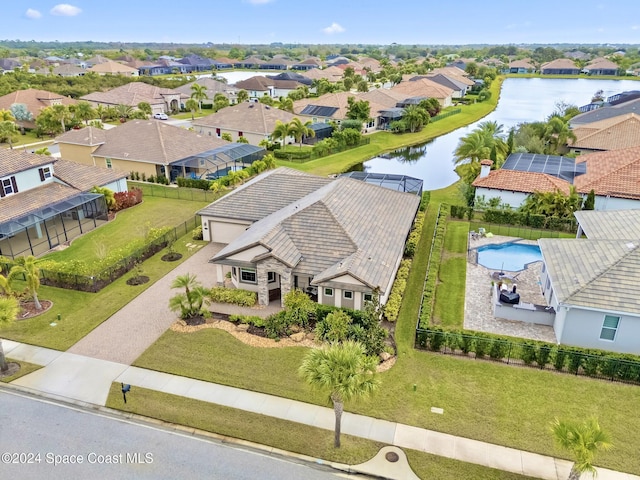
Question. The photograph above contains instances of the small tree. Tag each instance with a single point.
(32, 275)
(298, 306)
(192, 106)
(21, 114)
(227, 136)
(582, 440)
(590, 201)
(344, 371)
(8, 132)
(109, 196)
(9, 309)
(189, 303)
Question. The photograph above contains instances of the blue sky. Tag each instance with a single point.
(325, 21)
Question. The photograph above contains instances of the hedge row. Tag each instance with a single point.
(514, 217)
(392, 307)
(575, 360)
(429, 293)
(236, 296)
(414, 236)
(461, 211)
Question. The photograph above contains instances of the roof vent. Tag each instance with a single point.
(251, 105)
(266, 107)
(631, 245)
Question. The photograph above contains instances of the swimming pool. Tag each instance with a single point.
(511, 257)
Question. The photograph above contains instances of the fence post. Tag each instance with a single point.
(509, 353)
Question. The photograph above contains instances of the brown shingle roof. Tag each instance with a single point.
(113, 68)
(560, 63)
(601, 64)
(423, 88)
(246, 117)
(526, 182)
(614, 133)
(155, 142)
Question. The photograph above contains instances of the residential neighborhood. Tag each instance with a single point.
(245, 241)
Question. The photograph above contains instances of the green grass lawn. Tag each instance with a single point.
(286, 435)
(25, 369)
(129, 224)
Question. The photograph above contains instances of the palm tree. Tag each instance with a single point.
(192, 106)
(60, 113)
(472, 147)
(281, 131)
(188, 300)
(84, 112)
(286, 104)
(32, 276)
(9, 309)
(6, 282)
(582, 440)
(557, 133)
(43, 151)
(344, 371)
(124, 111)
(199, 93)
(300, 130)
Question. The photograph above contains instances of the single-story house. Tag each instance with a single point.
(341, 240)
(307, 64)
(196, 63)
(601, 66)
(561, 66)
(35, 100)
(331, 74)
(212, 87)
(46, 201)
(254, 121)
(613, 133)
(425, 87)
(459, 88)
(161, 99)
(613, 175)
(592, 283)
(257, 87)
(152, 148)
(113, 68)
(520, 66)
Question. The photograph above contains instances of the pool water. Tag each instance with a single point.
(511, 257)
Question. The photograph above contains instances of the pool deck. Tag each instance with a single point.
(478, 313)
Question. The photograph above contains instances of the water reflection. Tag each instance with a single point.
(521, 100)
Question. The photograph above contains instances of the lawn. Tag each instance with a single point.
(81, 312)
(129, 224)
(286, 435)
(25, 369)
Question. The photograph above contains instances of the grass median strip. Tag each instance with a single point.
(25, 369)
(286, 435)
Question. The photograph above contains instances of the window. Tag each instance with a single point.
(8, 186)
(248, 275)
(271, 277)
(217, 132)
(348, 294)
(108, 162)
(234, 272)
(44, 172)
(609, 328)
(240, 134)
(328, 292)
(368, 297)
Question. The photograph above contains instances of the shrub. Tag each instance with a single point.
(483, 344)
(543, 355)
(499, 349)
(414, 235)
(248, 319)
(559, 359)
(236, 296)
(436, 340)
(298, 307)
(392, 307)
(197, 233)
(528, 353)
(334, 327)
(277, 325)
(127, 199)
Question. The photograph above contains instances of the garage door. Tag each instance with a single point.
(224, 232)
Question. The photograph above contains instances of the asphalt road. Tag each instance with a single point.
(45, 440)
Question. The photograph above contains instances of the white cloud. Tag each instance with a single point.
(333, 28)
(635, 27)
(33, 14)
(258, 2)
(65, 10)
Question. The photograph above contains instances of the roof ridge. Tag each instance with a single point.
(162, 145)
(609, 268)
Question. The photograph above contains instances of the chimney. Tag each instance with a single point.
(485, 168)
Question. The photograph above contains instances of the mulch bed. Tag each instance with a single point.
(171, 257)
(13, 369)
(139, 280)
(28, 309)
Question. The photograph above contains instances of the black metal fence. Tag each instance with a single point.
(180, 193)
(528, 353)
(440, 116)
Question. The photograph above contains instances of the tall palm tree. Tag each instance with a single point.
(124, 111)
(32, 275)
(9, 309)
(286, 104)
(557, 133)
(344, 371)
(582, 440)
(472, 147)
(300, 130)
(281, 132)
(61, 113)
(192, 106)
(84, 112)
(199, 93)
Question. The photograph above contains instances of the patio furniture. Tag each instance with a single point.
(482, 232)
(474, 235)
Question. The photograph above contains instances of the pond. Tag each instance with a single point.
(521, 100)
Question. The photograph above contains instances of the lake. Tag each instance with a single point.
(521, 100)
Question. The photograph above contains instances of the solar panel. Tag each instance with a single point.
(561, 167)
(319, 110)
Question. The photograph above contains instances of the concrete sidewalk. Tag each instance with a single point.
(84, 379)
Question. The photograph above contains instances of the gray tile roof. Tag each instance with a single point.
(281, 187)
(89, 136)
(610, 224)
(15, 161)
(247, 117)
(599, 274)
(342, 227)
(632, 106)
(154, 141)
